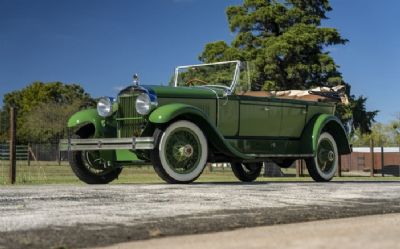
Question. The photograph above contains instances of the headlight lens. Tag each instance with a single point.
(104, 106)
(143, 104)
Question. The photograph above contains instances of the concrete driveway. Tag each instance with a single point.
(372, 232)
(87, 216)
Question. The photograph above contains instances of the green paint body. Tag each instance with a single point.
(84, 117)
(102, 128)
(238, 127)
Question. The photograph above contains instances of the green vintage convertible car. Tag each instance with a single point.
(207, 114)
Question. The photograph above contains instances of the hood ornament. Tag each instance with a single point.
(135, 79)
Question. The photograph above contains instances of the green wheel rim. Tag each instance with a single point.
(326, 157)
(183, 150)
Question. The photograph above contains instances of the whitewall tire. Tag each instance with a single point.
(323, 166)
(180, 153)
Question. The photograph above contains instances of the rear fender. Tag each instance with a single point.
(324, 123)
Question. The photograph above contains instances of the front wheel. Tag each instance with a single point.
(90, 168)
(180, 152)
(322, 167)
(246, 172)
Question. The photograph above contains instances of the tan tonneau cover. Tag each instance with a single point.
(315, 94)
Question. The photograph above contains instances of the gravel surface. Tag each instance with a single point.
(83, 216)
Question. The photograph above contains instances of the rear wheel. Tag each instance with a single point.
(90, 168)
(246, 172)
(180, 153)
(323, 166)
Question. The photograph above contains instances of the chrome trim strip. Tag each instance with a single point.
(208, 64)
(280, 155)
(144, 147)
(103, 147)
(134, 143)
(235, 77)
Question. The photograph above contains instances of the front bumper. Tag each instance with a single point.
(134, 143)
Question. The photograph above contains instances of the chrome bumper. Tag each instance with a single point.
(134, 143)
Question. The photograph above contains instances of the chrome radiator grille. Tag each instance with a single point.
(129, 121)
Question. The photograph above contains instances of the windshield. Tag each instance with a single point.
(220, 74)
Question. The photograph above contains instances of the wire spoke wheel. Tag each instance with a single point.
(94, 163)
(91, 168)
(181, 152)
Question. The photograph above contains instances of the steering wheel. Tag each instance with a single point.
(190, 82)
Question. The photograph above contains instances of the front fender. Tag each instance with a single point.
(170, 112)
(166, 113)
(316, 126)
(84, 117)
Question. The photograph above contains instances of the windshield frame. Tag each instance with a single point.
(234, 80)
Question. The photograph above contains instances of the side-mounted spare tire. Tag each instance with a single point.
(180, 152)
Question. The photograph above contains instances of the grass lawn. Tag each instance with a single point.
(52, 173)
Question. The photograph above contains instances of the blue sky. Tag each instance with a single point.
(100, 44)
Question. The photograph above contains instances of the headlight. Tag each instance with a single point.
(144, 104)
(105, 106)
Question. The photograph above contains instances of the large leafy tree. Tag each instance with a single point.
(288, 47)
(43, 109)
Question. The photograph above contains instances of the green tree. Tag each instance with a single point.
(3, 125)
(382, 134)
(288, 47)
(43, 108)
(394, 129)
(47, 121)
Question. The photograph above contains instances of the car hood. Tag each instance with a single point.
(185, 92)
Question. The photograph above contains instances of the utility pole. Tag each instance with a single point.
(299, 168)
(372, 157)
(382, 160)
(339, 169)
(12, 150)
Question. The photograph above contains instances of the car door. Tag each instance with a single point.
(293, 119)
(259, 117)
(228, 116)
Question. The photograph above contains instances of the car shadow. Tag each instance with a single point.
(295, 182)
